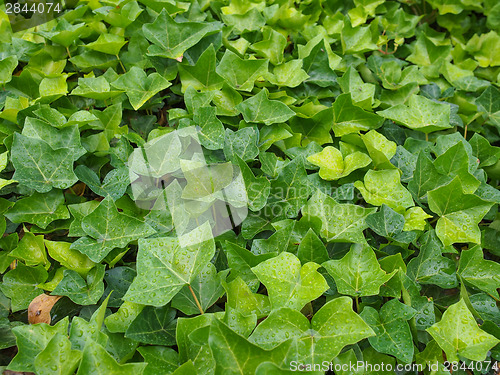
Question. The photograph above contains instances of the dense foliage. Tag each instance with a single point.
(364, 131)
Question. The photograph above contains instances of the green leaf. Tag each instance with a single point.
(459, 213)
(358, 273)
(202, 75)
(207, 287)
(140, 87)
(288, 283)
(242, 143)
(164, 266)
(458, 334)
(107, 43)
(21, 285)
(7, 67)
(96, 360)
(241, 74)
(478, 272)
(95, 88)
(31, 250)
(159, 358)
(333, 327)
(171, 39)
(212, 131)
(32, 340)
(386, 222)
(312, 249)
(80, 291)
(489, 103)
(334, 221)
(40, 167)
(57, 357)
(349, 118)
(106, 229)
(332, 164)
(154, 325)
(258, 188)
(391, 328)
(420, 114)
(260, 109)
(384, 187)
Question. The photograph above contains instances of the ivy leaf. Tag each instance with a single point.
(349, 118)
(334, 221)
(420, 114)
(40, 167)
(107, 229)
(333, 327)
(21, 285)
(154, 325)
(96, 360)
(208, 288)
(478, 272)
(288, 283)
(171, 39)
(459, 213)
(140, 87)
(80, 291)
(95, 88)
(32, 340)
(212, 131)
(358, 273)
(289, 191)
(430, 267)
(392, 331)
(258, 188)
(164, 267)
(159, 358)
(107, 43)
(242, 143)
(333, 165)
(57, 357)
(115, 183)
(312, 249)
(201, 76)
(314, 129)
(259, 108)
(31, 250)
(386, 222)
(240, 74)
(7, 66)
(458, 334)
(489, 103)
(384, 187)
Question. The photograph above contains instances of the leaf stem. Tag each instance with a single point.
(121, 64)
(357, 304)
(196, 299)
(67, 50)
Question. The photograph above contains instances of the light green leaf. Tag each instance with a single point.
(288, 283)
(171, 39)
(358, 273)
(96, 360)
(334, 221)
(57, 358)
(333, 165)
(260, 109)
(458, 334)
(459, 213)
(420, 114)
(202, 75)
(107, 43)
(332, 327)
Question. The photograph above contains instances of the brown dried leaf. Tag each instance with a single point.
(39, 308)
